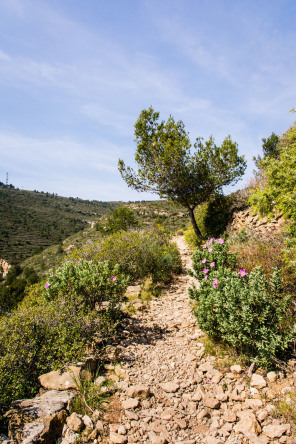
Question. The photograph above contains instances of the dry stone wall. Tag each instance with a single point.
(255, 225)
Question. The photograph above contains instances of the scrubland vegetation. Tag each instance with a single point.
(76, 306)
(246, 298)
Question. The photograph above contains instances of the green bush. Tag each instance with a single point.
(40, 336)
(277, 190)
(93, 282)
(248, 311)
(121, 219)
(139, 255)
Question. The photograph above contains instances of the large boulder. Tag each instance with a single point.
(39, 420)
(70, 377)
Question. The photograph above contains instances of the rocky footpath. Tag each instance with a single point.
(166, 390)
(172, 393)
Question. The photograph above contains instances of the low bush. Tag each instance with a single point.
(55, 323)
(38, 337)
(121, 219)
(94, 282)
(247, 310)
(139, 255)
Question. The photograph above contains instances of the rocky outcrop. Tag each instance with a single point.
(254, 225)
(5, 266)
(39, 420)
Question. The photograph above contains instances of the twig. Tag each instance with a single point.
(89, 408)
(251, 368)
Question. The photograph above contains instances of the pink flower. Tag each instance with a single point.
(215, 283)
(220, 240)
(204, 261)
(212, 264)
(212, 240)
(204, 246)
(205, 270)
(113, 278)
(47, 285)
(210, 249)
(206, 276)
(242, 272)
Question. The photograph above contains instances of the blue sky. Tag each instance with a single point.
(75, 75)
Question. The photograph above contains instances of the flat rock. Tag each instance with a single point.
(258, 381)
(236, 369)
(130, 403)
(117, 439)
(138, 391)
(275, 431)
(169, 387)
(211, 402)
(247, 424)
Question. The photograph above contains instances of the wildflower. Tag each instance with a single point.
(215, 283)
(212, 240)
(47, 285)
(206, 276)
(205, 270)
(204, 246)
(79, 260)
(204, 261)
(220, 240)
(212, 264)
(242, 272)
(210, 249)
(113, 278)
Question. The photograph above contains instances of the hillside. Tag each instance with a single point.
(32, 220)
(172, 217)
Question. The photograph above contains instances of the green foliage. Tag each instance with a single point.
(278, 189)
(12, 290)
(167, 167)
(139, 254)
(270, 149)
(247, 310)
(213, 216)
(94, 282)
(121, 219)
(32, 221)
(190, 237)
(38, 337)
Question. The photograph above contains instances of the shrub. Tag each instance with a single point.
(93, 282)
(248, 311)
(139, 255)
(277, 191)
(40, 336)
(269, 254)
(121, 219)
(212, 217)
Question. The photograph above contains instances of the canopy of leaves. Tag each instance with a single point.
(168, 168)
(278, 190)
(270, 149)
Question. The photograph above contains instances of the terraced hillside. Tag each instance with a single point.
(32, 221)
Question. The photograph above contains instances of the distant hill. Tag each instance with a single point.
(31, 221)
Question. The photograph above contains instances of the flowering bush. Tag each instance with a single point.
(93, 282)
(247, 310)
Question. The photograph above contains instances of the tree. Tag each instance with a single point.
(167, 167)
(270, 147)
(278, 188)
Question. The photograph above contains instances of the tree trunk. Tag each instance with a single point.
(195, 227)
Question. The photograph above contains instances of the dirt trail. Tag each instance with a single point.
(190, 400)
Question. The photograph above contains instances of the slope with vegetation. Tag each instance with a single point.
(32, 221)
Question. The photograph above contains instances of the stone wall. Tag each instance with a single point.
(255, 225)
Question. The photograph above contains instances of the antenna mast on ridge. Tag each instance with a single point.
(6, 178)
